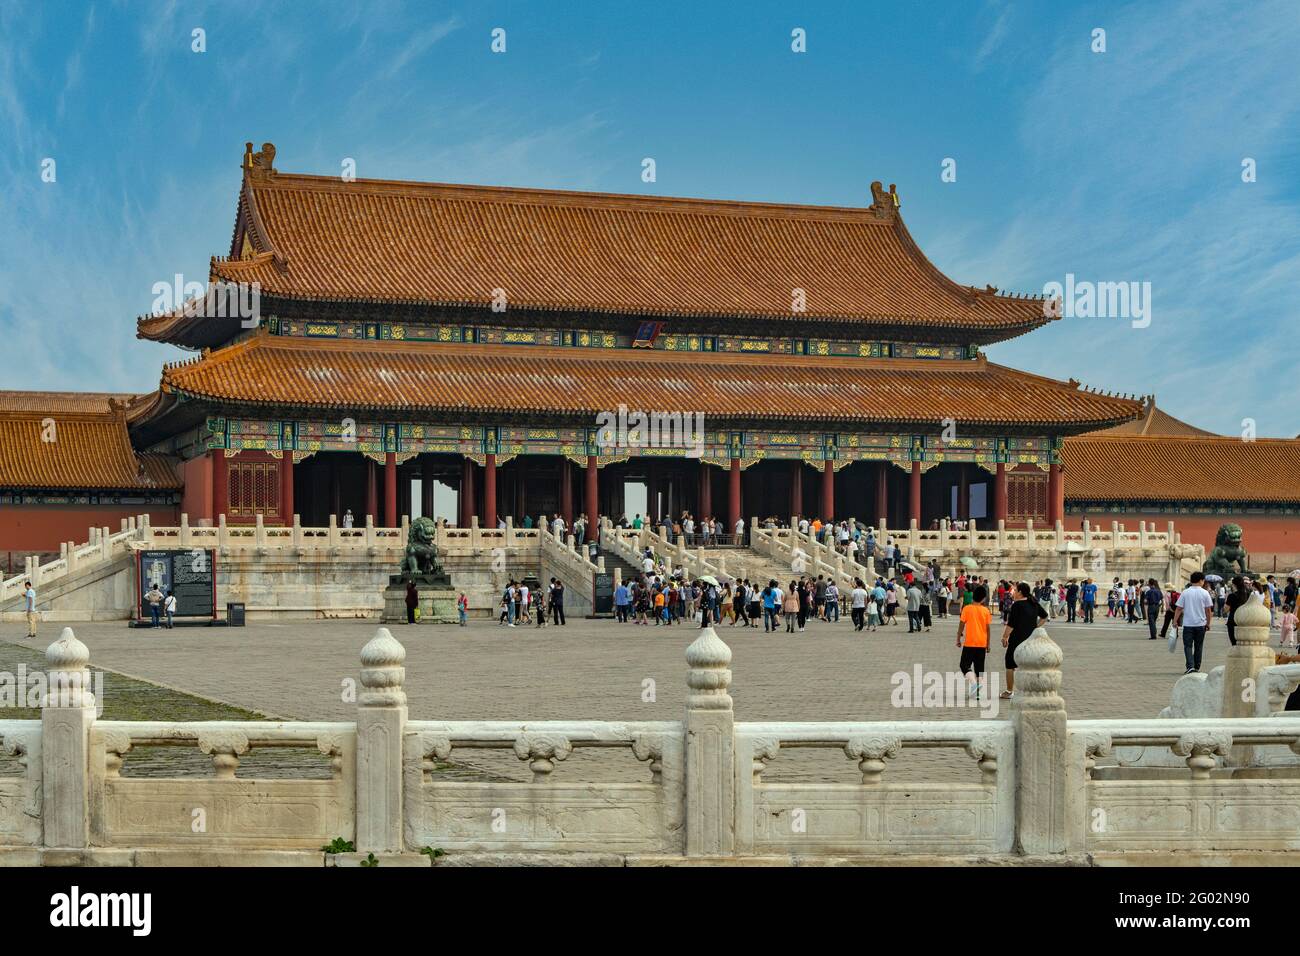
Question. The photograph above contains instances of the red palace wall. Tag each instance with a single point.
(197, 500)
(1273, 541)
(25, 529)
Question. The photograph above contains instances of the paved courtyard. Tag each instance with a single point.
(598, 669)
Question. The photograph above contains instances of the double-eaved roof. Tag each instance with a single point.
(404, 377)
(323, 239)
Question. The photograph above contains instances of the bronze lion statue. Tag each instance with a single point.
(421, 557)
(1228, 557)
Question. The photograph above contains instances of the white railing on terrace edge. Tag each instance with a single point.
(970, 816)
(303, 813)
(1033, 786)
(1211, 809)
(100, 547)
(643, 816)
(1002, 539)
(259, 536)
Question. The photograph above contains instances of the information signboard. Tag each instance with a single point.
(190, 574)
(603, 593)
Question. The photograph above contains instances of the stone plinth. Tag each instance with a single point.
(437, 603)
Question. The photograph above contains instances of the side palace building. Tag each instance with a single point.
(473, 337)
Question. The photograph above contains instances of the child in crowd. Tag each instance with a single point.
(1288, 622)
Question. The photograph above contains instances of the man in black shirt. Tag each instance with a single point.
(1153, 599)
(1026, 613)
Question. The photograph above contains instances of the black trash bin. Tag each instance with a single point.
(235, 614)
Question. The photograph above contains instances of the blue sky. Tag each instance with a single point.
(1115, 166)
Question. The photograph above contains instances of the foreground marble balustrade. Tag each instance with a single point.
(1040, 787)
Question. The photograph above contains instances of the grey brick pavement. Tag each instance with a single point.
(595, 670)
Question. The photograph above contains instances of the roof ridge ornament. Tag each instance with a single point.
(260, 165)
(884, 204)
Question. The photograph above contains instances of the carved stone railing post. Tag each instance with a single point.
(542, 751)
(1038, 713)
(67, 713)
(710, 749)
(871, 754)
(381, 722)
(1246, 659)
(984, 751)
(1200, 748)
(225, 748)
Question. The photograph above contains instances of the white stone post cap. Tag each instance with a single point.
(67, 653)
(1252, 613)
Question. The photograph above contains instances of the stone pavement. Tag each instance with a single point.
(597, 670)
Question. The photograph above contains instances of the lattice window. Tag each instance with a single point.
(254, 488)
(1026, 496)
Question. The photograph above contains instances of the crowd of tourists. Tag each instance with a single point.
(525, 605)
(660, 594)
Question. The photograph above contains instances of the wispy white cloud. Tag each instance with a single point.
(998, 31)
(1144, 145)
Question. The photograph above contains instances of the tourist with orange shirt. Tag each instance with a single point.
(973, 636)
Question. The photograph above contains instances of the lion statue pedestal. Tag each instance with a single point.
(437, 598)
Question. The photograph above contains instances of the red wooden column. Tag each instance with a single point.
(390, 489)
(733, 496)
(963, 493)
(566, 493)
(1055, 494)
(1000, 493)
(372, 489)
(914, 495)
(706, 493)
(286, 486)
(828, 491)
(796, 489)
(490, 492)
(467, 505)
(590, 500)
(220, 485)
(882, 495)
